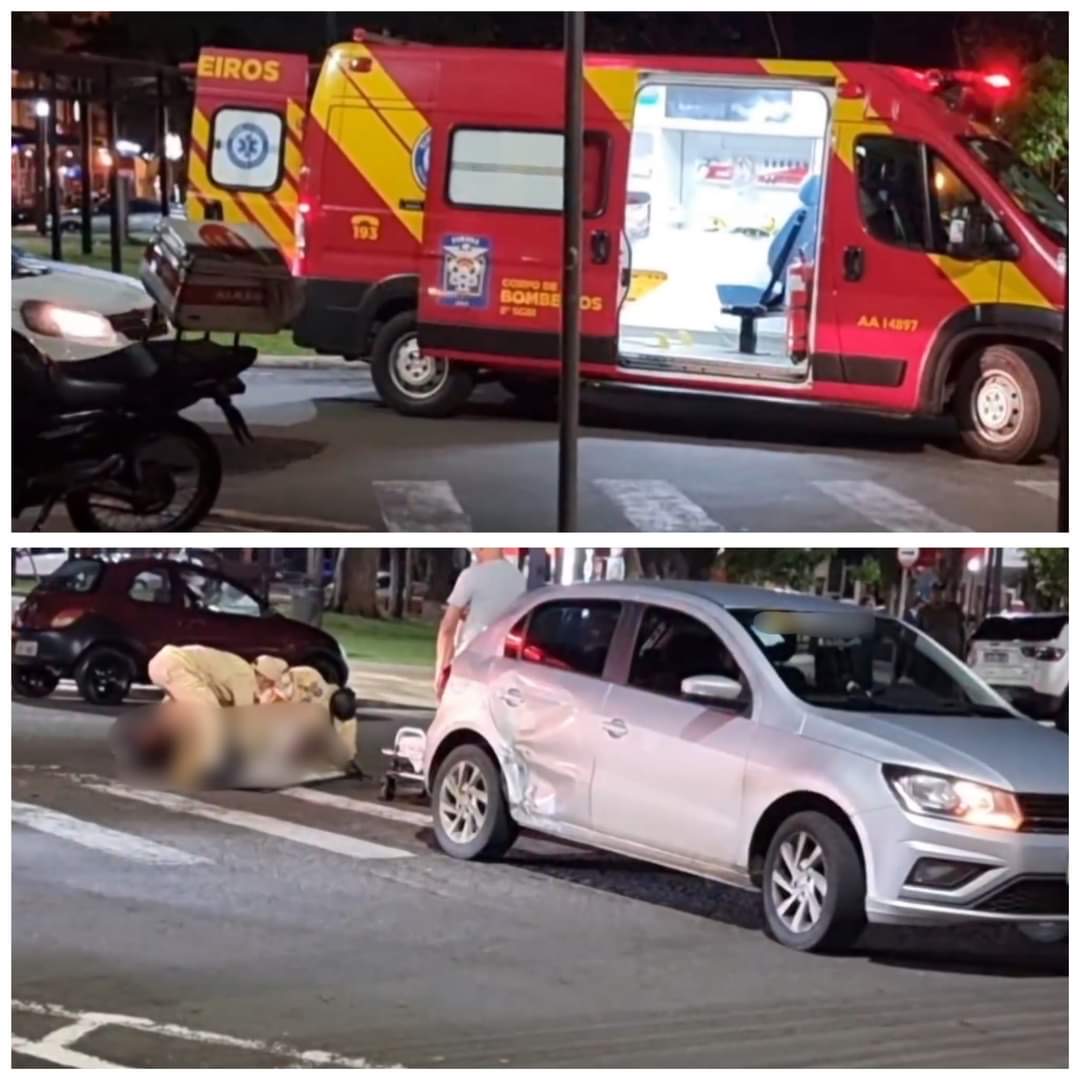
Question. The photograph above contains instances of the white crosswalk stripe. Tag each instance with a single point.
(886, 507)
(323, 839)
(420, 506)
(357, 806)
(99, 837)
(1043, 487)
(657, 506)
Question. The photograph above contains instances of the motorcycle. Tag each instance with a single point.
(105, 435)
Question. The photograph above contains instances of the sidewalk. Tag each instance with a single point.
(393, 684)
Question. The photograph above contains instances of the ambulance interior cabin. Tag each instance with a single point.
(724, 197)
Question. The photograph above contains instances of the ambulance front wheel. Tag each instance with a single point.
(1008, 404)
(411, 382)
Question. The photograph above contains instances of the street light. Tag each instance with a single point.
(41, 108)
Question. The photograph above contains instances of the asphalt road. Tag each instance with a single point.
(331, 932)
(328, 456)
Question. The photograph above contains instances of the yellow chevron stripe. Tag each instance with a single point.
(617, 88)
(294, 117)
(362, 135)
(803, 69)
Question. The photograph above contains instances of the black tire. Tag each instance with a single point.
(34, 682)
(1021, 404)
(1061, 718)
(843, 908)
(84, 516)
(388, 789)
(104, 675)
(497, 829)
(450, 384)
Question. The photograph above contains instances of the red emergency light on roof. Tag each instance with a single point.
(998, 80)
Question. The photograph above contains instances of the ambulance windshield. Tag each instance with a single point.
(1025, 187)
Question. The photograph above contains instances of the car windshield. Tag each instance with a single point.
(75, 576)
(1027, 628)
(1025, 187)
(868, 663)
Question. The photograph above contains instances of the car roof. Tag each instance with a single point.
(732, 597)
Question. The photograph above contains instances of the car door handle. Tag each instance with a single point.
(615, 728)
(854, 263)
(512, 698)
(600, 246)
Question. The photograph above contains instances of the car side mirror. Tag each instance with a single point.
(714, 689)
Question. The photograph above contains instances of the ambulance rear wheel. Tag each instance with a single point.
(411, 382)
(1008, 404)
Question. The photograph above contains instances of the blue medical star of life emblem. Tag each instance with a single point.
(247, 146)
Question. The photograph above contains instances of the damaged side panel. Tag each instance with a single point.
(542, 719)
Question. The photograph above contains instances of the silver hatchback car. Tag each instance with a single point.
(837, 760)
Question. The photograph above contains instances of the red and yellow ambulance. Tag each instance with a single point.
(847, 234)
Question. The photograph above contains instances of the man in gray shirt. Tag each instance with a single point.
(482, 593)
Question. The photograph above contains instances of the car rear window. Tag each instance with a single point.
(75, 576)
(1030, 628)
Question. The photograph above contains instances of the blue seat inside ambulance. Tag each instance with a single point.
(751, 302)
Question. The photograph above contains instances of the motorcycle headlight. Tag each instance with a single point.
(950, 797)
(55, 320)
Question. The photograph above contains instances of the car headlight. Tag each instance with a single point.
(950, 797)
(54, 320)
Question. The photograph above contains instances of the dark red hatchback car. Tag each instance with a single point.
(100, 623)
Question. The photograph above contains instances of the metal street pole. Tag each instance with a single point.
(570, 382)
(55, 246)
(86, 168)
(1063, 435)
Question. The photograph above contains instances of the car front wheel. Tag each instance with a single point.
(1008, 404)
(104, 675)
(814, 887)
(469, 809)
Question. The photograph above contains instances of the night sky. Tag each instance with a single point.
(916, 39)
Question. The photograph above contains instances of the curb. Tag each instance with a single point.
(303, 362)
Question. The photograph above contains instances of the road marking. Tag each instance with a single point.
(657, 506)
(63, 1056)
(99, 838)
(86, 1022)
(886, 507)
(258, 522)
(357, 806)
(420, 506)
(243, 819)
(1049, 488)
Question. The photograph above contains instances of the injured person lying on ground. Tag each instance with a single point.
(227, 723)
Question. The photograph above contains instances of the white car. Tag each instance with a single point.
(1026, 659)
(76, 312)
(840, 761)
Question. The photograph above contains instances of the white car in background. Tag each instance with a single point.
(1026, 659)
(77, 312)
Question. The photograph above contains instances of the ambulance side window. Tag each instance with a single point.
(891, 190)
(246, 149)
(521, 169)
(957, 214)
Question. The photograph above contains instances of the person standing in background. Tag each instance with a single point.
(942, 619)
(481, 594)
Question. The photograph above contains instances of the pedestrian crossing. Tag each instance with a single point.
(125, 845)
(654, 505)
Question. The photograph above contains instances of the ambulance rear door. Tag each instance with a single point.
(491, 266)
(246, 137)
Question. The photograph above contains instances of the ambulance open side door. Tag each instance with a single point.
(246, 135)
(491, 263)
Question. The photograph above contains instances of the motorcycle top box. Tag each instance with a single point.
(212, 276)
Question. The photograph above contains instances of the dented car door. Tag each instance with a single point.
(547, 693)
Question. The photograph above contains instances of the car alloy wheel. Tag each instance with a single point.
(799, 883)
(463, 802)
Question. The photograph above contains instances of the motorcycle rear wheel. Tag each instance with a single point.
(89, 513)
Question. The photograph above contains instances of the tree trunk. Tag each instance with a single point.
(396, 604)
(359, 577)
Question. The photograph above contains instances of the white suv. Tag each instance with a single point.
(1026, 659)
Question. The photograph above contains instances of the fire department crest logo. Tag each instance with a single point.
(465, 265)
(421, 160)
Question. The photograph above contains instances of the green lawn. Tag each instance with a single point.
(386, 641)
(131, 257)
(23, 586)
